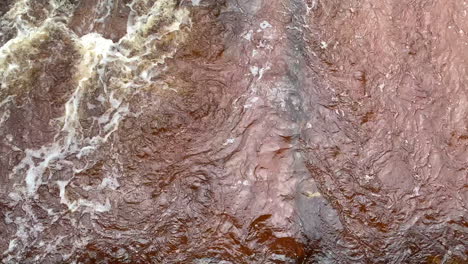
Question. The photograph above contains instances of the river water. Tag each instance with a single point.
(233, 131)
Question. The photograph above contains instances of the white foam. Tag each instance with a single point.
(12, 245)
(109, 182)
(73, 206)
(248, 35)
(265, 25)
(63, 197)
(229, 141)
(34, 172)
(95, 206)
(98, 55)
(263, 70)
(254, 70)
(323, 45)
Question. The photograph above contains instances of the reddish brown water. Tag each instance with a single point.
(233, 131)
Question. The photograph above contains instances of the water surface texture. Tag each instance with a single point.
(233, 131)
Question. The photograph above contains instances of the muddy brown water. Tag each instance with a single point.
(233, 131)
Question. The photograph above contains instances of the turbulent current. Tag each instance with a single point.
(233, 131)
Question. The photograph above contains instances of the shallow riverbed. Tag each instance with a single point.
(233, 131)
